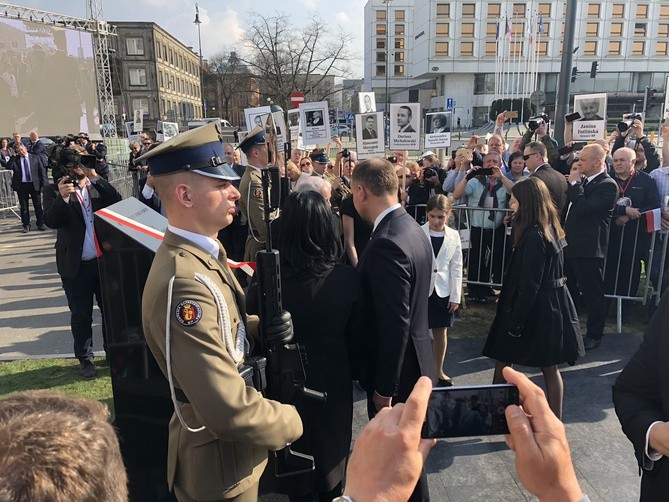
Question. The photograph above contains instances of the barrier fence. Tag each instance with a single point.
(9, 202)
(632, 250)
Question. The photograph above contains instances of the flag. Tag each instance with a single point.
(508, 29)
(653, 220)
(528, 31)
(541, 25)
(497, 30)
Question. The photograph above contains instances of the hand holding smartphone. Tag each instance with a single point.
(469, 411)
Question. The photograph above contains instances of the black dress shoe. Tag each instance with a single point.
(41, 227)
(87, 369)
(445, 383)
(26, 229)
(590, 342)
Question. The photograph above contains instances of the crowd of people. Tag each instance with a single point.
(372, 263)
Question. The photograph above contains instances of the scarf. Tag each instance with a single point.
(492, 189)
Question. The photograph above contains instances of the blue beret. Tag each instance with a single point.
(199, 150)
(256, 136)
(320, 157)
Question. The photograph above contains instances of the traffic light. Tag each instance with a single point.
(574, 73)
(593, 69)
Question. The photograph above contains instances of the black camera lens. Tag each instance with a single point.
(345, 153)
(429, 173)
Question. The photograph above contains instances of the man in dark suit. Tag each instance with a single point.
(149, 196)
(28, 179)
(369, 132)
(233, 237)
(404, 119)
(98, 149)
(536, 162)
(38, 148)
(69, 208)
(395, 271)
(590, 199)
(641, 399)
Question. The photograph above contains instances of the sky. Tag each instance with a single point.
(222, 22)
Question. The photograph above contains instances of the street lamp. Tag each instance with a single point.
(387, 110)
(197, 22)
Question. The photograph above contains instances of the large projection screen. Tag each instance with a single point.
(47, 79)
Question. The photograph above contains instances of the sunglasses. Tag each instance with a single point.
(302, 164)
(526, 157)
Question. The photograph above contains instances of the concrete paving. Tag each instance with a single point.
(34, 322)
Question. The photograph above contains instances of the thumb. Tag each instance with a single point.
(522, 435)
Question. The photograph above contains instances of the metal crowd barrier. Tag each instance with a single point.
(122, 179)
(9, 202)
(487, 258)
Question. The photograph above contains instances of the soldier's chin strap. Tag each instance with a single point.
(236, 350)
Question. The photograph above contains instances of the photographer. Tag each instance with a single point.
(539, 125)
(647, 157)
(463, 163)
(80, 193)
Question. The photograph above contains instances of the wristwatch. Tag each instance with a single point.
(343, 498)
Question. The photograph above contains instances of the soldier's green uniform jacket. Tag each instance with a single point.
(229, 454)
(251, 203)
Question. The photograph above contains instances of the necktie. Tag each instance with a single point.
(585, 182)
(26, 169)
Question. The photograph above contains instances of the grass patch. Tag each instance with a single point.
(60, 375)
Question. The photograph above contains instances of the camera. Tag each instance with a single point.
(429, 173)
(627, 121)
(536, 122)
(88, 161)
(572, 116)
(345, 153)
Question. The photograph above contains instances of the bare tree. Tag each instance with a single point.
(285, 57)
(229, 83)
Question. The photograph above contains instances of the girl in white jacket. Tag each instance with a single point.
(446, 281)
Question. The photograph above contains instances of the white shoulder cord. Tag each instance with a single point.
(236, 351)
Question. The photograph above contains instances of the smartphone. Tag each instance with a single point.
(88, 161)
(579, 145)
(512, 115)
(469, 411)
(453, 154)
(484, 171)
(572, 116)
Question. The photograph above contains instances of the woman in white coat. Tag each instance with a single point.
(446, 281)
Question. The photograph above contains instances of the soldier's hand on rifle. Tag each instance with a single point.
(280, 329)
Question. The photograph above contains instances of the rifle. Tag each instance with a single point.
(286, 374)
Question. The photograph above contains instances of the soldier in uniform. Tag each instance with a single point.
(339, 189)
(251, 202)
(196, 326)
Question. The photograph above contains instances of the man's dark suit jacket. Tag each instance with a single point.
(588, 219)
(68, 219)
(395, 270)
(37, 172)
(641, 397)
(407, 128)
(555, 182)
(367, 134)
(153, 203)
(38, 148)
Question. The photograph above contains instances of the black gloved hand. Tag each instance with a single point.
(280, 329)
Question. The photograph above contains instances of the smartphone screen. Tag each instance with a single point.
(573, 116)
(468, 411)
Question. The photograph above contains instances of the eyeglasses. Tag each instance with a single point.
(302, 164)
(525, 157)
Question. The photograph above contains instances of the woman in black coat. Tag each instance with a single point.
(536, 323)
(325, 302)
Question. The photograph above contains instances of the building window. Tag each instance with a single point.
(543, 48)
(467, 30)
(399, 69)
(399, 29)
(157, 49)
(547, 29)
(164, 52)
(518, 29)
(545, 9)
(491, 48)
(494, 10)
(399, 57)
(137, 76)
(491, 30)
(639, 30)
(381, 16)
(518, 10)
(441, 48)
(380, 43)
(661, 48)
(664, 11)
(663, 30)
(160, 79)
(590, 48)
(484, 83)
(618, 11)
(516, 48)
(615, 47)
(442, 29)
(171, 57)
(469, 10)
(638, 48)
(466, 48)
(642, 11)
(593, 10)
(141, 104)
(134, 46)
(399, 16)
(380, 57)
(591, 29)
(380, 29)
(443, 10)
(616, 29)
(399, 43)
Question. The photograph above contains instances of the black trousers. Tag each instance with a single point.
(80, 292)
(586, 275)
(26, 192)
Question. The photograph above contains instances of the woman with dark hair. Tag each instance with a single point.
(536, 322)
(516, 170)
(6, 153)
(325, 301)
